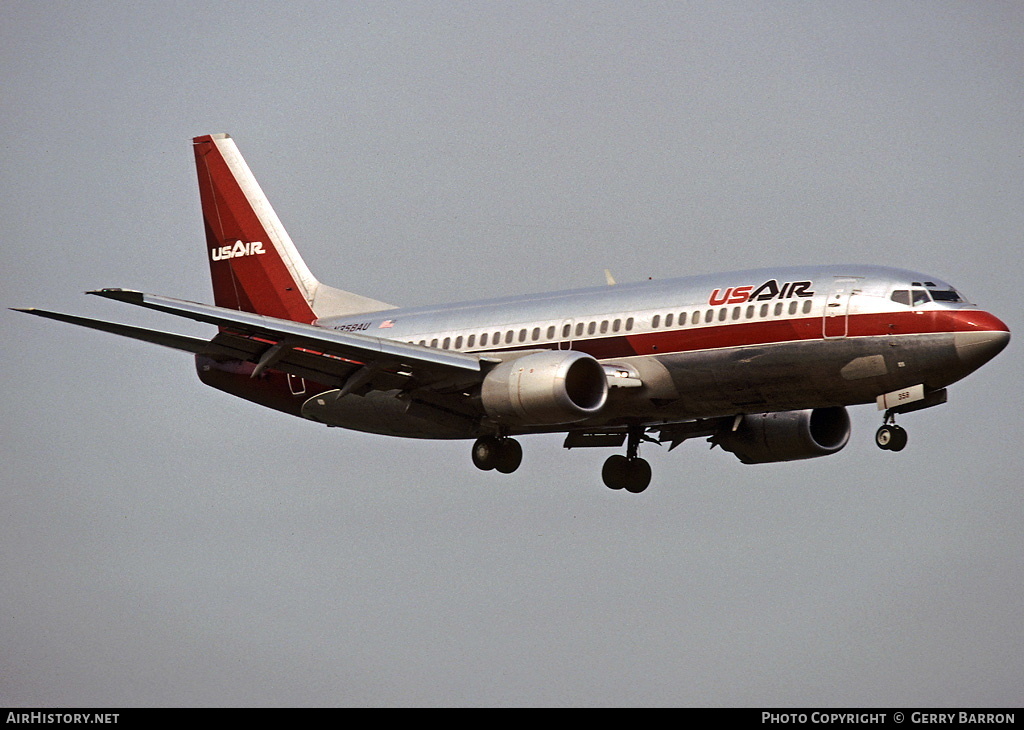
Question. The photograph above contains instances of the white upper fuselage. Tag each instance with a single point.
(572, 318)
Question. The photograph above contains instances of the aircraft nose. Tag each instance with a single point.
(977, 347)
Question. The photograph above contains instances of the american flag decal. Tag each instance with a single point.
(387, 323)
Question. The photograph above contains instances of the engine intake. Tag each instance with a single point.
(545, 388)
(788, 436)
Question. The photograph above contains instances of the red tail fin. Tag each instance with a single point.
(254, 264)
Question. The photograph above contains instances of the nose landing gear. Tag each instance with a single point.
(890, 437)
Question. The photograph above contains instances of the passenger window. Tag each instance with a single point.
(736, 312)
(536, 334)
(616, 324)
(682, 318)
(483, 340)
(778, 309)
(920, 297)
(722, 313)
(433, 342)
(655, 320)
(591, 327)
(566, 329)
(447, 341)
(709, 316)
(471, 341)
(458, 342)
(604, 326)
(764, 310)
(629, 324)
(551, 332)
(901, 296)
(807, 306)
(508, 337)
(579, 329)
(750, 312)
(522, 335)
(668, 320)
(792, 307)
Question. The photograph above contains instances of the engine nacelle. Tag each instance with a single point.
(545, 388)
(788, 436)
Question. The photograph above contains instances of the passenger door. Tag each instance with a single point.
(836, 319)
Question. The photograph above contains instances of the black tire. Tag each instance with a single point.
(615, 471)
(899, 439)
(510, 456)
(639, 476)
(485, 453)
(884, 438)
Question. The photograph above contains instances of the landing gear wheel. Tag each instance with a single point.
(615, 472)
(639, 476)
(891, 437)
(510, 456)
(485, 453)
(620, 472)
(899, 439)
(503, 455)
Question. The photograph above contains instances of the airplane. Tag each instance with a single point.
(762, 363)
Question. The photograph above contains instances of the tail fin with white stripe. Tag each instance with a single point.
(254, 264)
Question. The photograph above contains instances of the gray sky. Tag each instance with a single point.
(164, 544)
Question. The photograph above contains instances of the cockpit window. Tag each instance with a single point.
(946, 295)
(914, 297)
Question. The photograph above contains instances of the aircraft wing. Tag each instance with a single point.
(343, 359)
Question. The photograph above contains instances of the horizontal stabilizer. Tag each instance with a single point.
(167, 339)
(387, 353)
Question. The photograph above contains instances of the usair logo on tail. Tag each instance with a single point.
(252, 248)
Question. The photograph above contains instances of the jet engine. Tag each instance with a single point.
(545, 388)
(788, 436)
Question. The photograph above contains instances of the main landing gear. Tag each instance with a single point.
(890, 437)
(628, 472)
(501, 454)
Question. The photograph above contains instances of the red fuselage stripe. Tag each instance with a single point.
(745, 333)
